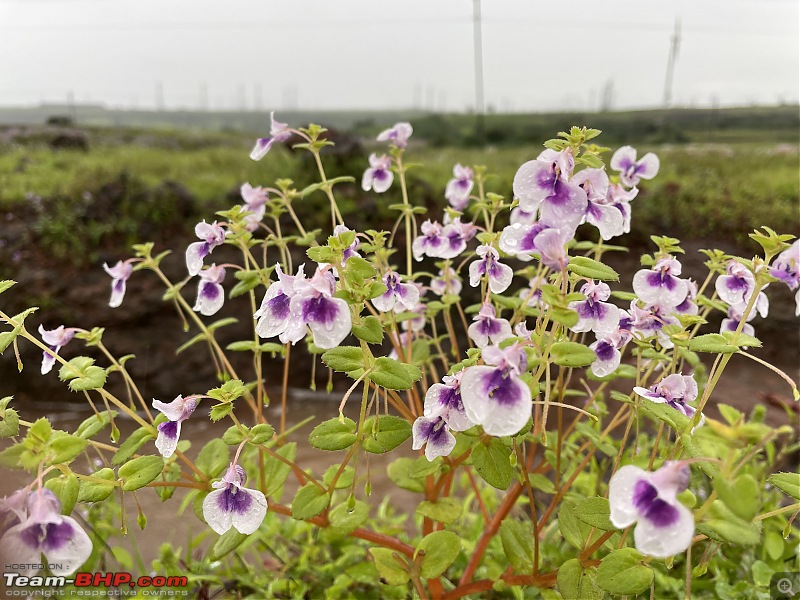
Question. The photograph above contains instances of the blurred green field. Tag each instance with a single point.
(726, 174)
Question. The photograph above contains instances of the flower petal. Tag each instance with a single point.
(620, 495)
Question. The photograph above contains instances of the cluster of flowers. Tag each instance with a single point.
(553, 201)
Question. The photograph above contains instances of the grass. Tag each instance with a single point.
(744, 177)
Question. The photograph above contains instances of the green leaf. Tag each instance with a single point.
(399, 473)
(572, 354)
(370, 330)
(64, 447)
(65, 487)
(742, 496)
(572, 529)
(333, 435)
(441, 548)
(344, 359)
(309, 502)
(95, 491)
(6, 284)
(712, 342)
(385, 434)
(591, 269)
(622, 572)
(345, 479)
(595, 512)
(235, 435)
(213, 459)
(276, 471)
(493, 464)
(9, 419)
(445, 510)
(360, 268)
(228, 391)
(788, 483)
(664, 412)
(95, 424)
(82, 374)
(138, 472)
(347, 519)
(394, 375)
(261, 433)
(575, 583)
(517, 539)
(723, 525)
(388, 562)
(226, 543)
(129, 447)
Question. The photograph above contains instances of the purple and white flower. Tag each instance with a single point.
(493, 394)
(650, 321)
(737, 286)
(733, 320)
(169, 432)
(675, 390)
(594, 314)
(446, 282)
(313, 304)
(786, 267)
(455, 236)
(688, 306)
(631, 170)
(664, 526)
(210, 295)
(552, 246)
(608, 219)
(233, 505)
(544, 184)
(532, 295)
(397, 135)
(120, 273)
(487, 327)
(434, 434)
(274, 315)
(379, 176)
(607, 351)
(458, 189)
(255, 200)
(398, 296)
(660, 285)
(488, 263)
(620, 198)
(42, 529)
(352, 249)
(430, 242)
(519, 240)
(278, 132)
(212, 235)
(444, 400)
(55, 339)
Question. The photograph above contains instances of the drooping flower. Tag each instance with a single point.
(733, 320)
(493, 394)
(233, 505)
(313, 304)
(458, 189)
(255, 200)
(675, 390)
(444, 400)
(608, 219)
(631, 170)
(44, 530)
(434, 434)
(210, 295)
(278, 132)
(379, 176)
(212, 235)
(120, 273)
(544, 184)
(487, 327)
(664, 526)
(55, 339)
(274, 315)
(552, 247)
(594, 314)
(786, 266)
(169, 432)
(397, 135)
(488, 263)
(660, 285)
(446, 282)
(397, 295)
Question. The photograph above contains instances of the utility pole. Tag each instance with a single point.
(478, 44)
(673, 56)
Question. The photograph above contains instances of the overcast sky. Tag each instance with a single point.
(326, 54)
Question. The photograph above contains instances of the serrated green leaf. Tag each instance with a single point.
(95, 424)
(445, 510)
(65, 487)
(389, 563)
(398, 472)
(276, 471)
(64, 447)
(712, 342)
(226, 543)
(492, 463)
(577, 583)
(370, 330)
(742, 495)
(594, 512)
(129, 447)
(333, 435)
(95, 491)
(788, 483)
(591, 269)
(347, 519)
(517, 539)
(344, 358)
(309, 502)
(572, 354)
(393, 374)
(622, 572)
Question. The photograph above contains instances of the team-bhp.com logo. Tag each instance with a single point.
(100, 580)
